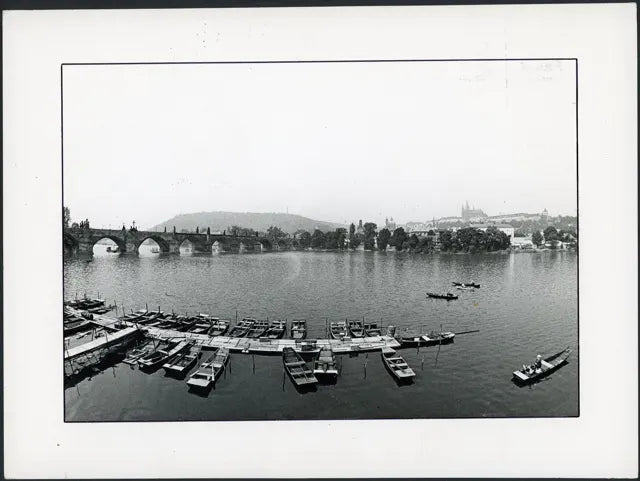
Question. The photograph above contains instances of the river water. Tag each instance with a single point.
(527, 304)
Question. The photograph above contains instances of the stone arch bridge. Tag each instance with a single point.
(81, 241)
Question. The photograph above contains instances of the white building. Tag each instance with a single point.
(506, 228)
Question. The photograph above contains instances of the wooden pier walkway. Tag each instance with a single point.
(104, 341)
(112, 335)
(276, 346)
(234, 344)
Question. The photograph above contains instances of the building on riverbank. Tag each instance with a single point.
(506, 228)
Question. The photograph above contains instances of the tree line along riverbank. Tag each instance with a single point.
(367, 236)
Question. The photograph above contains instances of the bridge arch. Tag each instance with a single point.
(218, 246)
(265, 243)
(122, 246)
(162, 244)
(197, 243)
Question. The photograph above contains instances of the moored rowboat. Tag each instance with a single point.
(277, 330)
(396, 365)
(183, 362)
(209, 370)
(438, 337)
(162, 355)
(219, 327)
(338, 330)
(297, 369)
(371, 329)
(141, 350)
(258, 329)
(355, 328)
(242, 328)
(298, 329)
(325, 364)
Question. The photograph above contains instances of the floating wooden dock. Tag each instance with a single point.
(276, 346)
(102, 342)
(117, 335)
(234, 344)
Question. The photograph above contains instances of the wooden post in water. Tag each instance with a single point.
(284, 375)
(365, 365)
(253, 360)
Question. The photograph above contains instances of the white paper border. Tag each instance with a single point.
(601, 442)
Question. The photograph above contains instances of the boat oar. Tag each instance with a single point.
(466, 332)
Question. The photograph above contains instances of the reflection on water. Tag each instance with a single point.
(527, 304)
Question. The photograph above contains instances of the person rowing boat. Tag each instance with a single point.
(537, 364)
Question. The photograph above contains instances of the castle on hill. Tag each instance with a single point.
(473, 214)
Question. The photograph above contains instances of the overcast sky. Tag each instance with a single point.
(334, 142)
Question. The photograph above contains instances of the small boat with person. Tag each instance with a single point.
(466, 284)
(183, 362)
(298, 329)
(210, 369)
(448, 296)
(541, 367)
(298, 371)
(396, 365)
(356, 328)
(325, 366)
(338, 330)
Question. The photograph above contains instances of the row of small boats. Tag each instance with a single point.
(354, 328)
(177, 358)
(248, 327)
(325, 366)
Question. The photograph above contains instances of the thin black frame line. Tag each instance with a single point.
(240, 62)
(578, 234)
(531, 59)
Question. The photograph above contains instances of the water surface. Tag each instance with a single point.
(527, 304)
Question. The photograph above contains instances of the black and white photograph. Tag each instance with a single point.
(344, 242)
(320, 240)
